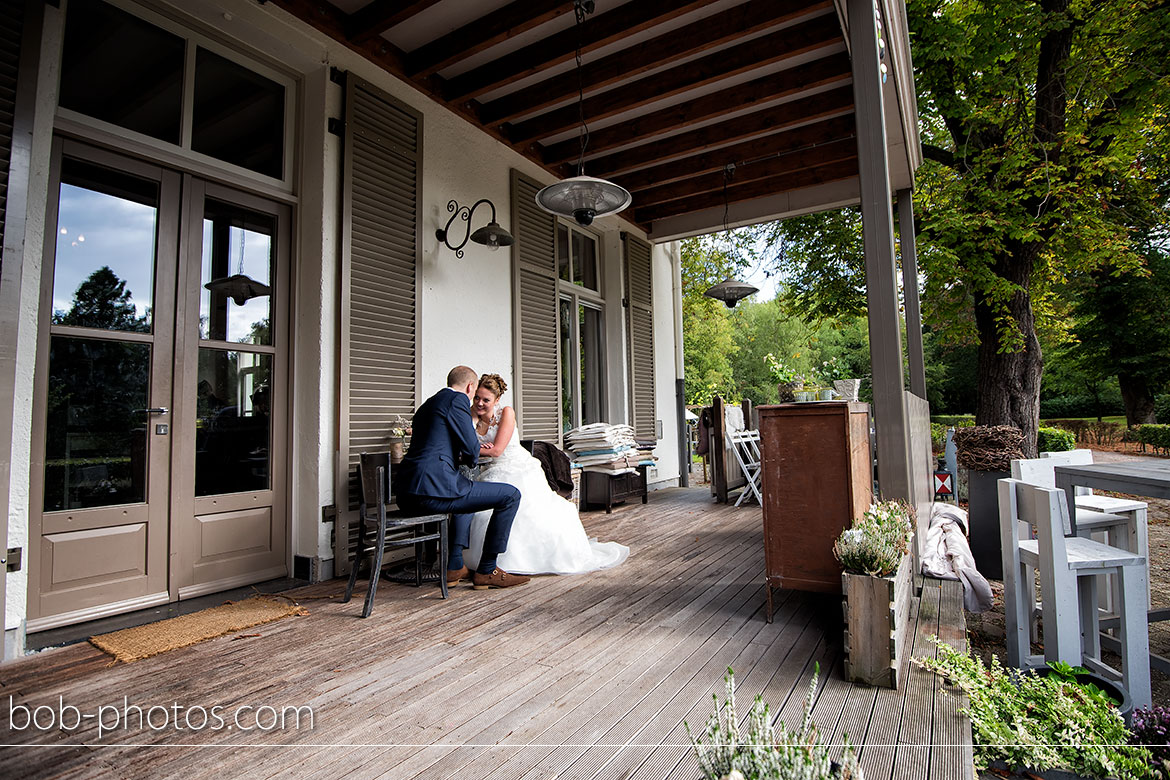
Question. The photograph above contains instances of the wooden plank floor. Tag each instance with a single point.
(590, 676)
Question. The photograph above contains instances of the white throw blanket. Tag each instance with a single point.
(946, 555)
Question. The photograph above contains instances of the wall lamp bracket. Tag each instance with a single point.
(490, 235)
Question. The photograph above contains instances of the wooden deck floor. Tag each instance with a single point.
(589, 676)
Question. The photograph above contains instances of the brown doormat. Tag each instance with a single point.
(134, 644)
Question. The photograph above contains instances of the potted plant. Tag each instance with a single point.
(399, 432)
(877, 586)
(789, 383)
(835, 373)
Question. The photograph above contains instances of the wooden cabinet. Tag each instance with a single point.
(818, 477)
(605, 490)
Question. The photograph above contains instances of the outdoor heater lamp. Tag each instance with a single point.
(731, 292)
(582, 197)
(490, 235)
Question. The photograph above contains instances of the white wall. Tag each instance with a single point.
(465, 303)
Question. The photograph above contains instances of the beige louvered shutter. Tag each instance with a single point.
(640, 335)
(11, 26)
(379, 310)
(534, 314)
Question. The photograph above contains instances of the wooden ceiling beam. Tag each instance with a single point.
(786, 83)
(669, 47)
(766, 120)
(483, 33)
(370, 22)
(776, 165)
(788, 182)
(596, 32)
(685, 168)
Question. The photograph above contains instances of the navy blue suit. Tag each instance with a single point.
(428, 479)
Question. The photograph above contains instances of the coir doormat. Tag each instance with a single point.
(134, 644)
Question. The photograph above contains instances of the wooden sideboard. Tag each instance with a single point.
(817, 478)
(598, 489)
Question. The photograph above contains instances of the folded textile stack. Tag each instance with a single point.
(609, 449)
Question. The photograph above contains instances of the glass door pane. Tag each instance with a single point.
(568, 353)
(592, 354)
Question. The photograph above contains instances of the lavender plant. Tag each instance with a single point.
(760, 752)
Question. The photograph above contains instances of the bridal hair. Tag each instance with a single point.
(460, 376)
(494, 383)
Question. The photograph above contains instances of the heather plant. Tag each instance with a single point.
(760, 752)
(1151, 727)
(877, 541)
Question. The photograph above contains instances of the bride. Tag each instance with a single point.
(547, 536)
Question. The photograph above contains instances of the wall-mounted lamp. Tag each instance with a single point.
(490, 235)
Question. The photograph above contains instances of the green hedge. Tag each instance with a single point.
(1155, 436)
(1162, 408)
(1055, 440)
(954, 420)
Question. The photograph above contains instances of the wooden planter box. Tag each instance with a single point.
(877, 610)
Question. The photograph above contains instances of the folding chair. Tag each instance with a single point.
(746, 445)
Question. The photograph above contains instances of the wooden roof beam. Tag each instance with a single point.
(810, 177)
(786, 83)
(634, 60)
(767, 120)
(379, 16)
(483, 33)
(775, 165)
(596, 32)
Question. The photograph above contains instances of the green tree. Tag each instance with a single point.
(761, 328)
(1034, 112)
(102, 301)
(708, 343)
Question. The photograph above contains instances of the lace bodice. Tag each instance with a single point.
(494, 429)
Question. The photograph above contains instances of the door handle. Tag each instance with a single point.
(155, 410)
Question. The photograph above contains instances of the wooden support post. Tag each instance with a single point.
(885, 336)
(910, 293)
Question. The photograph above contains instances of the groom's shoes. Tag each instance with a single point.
(454, 576)
(497, 579)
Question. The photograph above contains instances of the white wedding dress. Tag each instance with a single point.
(547, 536)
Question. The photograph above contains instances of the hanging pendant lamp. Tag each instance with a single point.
(584, 198)
(730, 291)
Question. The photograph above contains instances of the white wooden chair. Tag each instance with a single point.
(746, 445)
(1068, 567)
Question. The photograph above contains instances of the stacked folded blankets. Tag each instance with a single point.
(609, 449)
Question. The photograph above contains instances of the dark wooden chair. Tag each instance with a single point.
(382, 526)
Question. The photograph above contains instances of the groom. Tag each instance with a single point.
(428, 480)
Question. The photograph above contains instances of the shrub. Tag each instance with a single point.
(876, 543)
(1055, 440)
(1155, 436)
(1162, 408)
(1083, 405)
(1038, 722)
(761, 753)
(954, 420)
(1151, 727)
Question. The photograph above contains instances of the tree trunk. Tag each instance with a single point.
(1139, 401)
(1009, 382)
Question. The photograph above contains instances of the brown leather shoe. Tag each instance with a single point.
(498, 579)
(454, 576)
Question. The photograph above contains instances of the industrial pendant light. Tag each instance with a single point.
(583, 197)
(729, 290)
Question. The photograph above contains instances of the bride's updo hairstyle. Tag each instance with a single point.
(495, 383)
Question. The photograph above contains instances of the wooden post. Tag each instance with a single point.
(877, 218)
(910, 293)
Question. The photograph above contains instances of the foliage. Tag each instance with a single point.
(1155, 436)
(708, 339)
(102, 301)
(759, 752)
(401, 427)
(830, 371)
(1105, 402)
(1162, 408)
(954, 420)
(1038, 722)
(1055, 440)
(1151, 727)
(759, 329)
(877, 541)
(781, 372)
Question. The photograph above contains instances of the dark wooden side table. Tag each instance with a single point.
(599, 489)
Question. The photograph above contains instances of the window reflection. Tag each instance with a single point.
(566, 329)
(584, 260)
(103, 273)
(238, 115)
(235, 296)
(95, 436)
(233, 424)
(591, 357)
(563, 268)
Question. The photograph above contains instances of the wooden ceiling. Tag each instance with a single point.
(675, 91)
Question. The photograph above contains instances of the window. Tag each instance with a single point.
(580, 329)
(123, 70)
